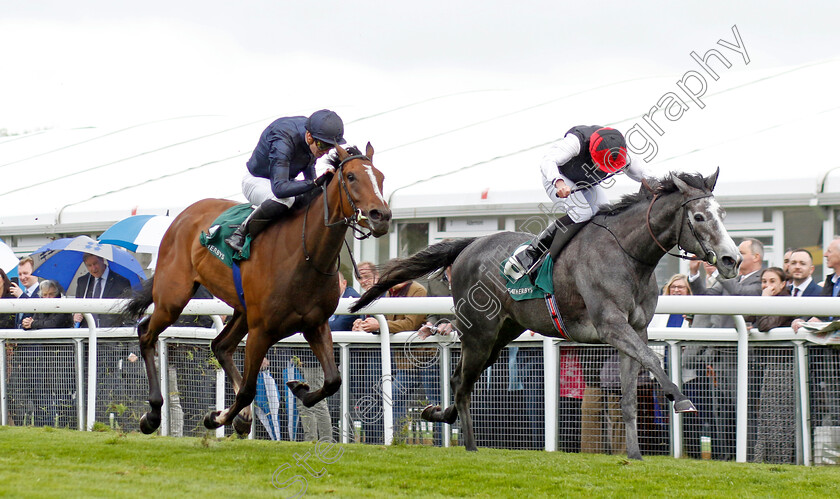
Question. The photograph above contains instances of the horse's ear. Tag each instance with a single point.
(680, 183)
(712, 180)
(341, 152)
(369, 151)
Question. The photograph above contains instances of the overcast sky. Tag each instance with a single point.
(91, 62)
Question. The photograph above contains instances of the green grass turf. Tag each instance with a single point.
(44, 462)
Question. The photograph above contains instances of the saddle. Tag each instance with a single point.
(222, 228)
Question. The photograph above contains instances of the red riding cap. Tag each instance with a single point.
(608, 149)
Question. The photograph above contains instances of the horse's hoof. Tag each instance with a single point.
(210, 420)
(471, 448)
(429, 411)
(149, 423)
(684, 406)
(299, 388)
(241, 425)
(637, 456)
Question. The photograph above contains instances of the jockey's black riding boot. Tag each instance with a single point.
(258, 220)
(553, 238)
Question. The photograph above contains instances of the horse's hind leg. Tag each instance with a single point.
(435, 413)
(255, 349)
(148, 331)
(320, 341)
(629, 373)
(223, 347)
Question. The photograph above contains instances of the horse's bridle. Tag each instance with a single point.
(352, 221)
(710, 254)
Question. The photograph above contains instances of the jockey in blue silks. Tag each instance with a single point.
(572, 171)
(286, 148)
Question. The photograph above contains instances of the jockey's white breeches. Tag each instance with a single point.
(258, 189)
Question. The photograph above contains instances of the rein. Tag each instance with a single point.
(351, 221)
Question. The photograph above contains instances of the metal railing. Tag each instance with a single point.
(672, 338)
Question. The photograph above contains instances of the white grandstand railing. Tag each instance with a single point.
(737, 306)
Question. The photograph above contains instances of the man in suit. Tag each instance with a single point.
(100, 282)
(29, 289)
(824, 362)
(722, 362)
(800, 269)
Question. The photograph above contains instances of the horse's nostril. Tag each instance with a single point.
(379, 215)
(728, 261)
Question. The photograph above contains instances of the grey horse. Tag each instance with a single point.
(604, 284)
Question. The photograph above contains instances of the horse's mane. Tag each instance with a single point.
(333, 160)
(664, 185)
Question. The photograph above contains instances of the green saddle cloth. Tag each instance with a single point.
(222, 228)
(522, 289)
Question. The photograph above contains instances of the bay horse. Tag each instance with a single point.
(290, 283)
(604, 284)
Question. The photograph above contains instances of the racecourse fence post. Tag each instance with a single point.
(387, 388)
(804, 400)
(80, 385)
(741, 407)
(445, 395)
(92, 363)
(675, 366)
(4, 418)
(550, 372)
(164, 383)
(220, 398)
(344, 413)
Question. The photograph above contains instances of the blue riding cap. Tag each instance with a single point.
(326, 126)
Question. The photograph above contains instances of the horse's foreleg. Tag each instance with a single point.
(628, 341)
(320, 341)
(629, 372)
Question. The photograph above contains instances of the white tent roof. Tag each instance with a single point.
(767, 130)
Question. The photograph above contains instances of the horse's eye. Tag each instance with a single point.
(699, 218)
(351, 177)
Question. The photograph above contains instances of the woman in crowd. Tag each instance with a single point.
(48, 320)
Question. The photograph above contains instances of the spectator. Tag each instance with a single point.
(7, 321)
(366, 376)
(408, 382)
(677, 285)
(721, 363)
(776, 422)
(786, 262)
(91, 285)
(44, 320)
(825, 361)
(29, 283)
(801, 267)
(343, 322)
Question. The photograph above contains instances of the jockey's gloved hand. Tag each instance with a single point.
(323, 179)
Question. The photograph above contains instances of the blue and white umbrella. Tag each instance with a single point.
(8, 260)
(138, 233)
(62, 260)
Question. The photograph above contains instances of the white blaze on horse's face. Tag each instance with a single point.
(369, 170)
(707, 217)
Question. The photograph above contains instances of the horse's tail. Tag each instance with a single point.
(435, 257)
(140, 301)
